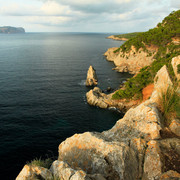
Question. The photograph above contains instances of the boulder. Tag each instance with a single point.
(144, 121)
(175, 127)
(30, 172)
(91, 77)
(95, 97)
(162, 82)
(152, 163)
(161, 156)
(170, 175)
(95, 154)
(62, 170)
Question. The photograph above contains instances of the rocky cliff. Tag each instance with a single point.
(141, 50)
(131, 61)
(11, 30)
(139, 146)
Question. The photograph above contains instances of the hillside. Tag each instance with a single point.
(145, 54)
(11, 30)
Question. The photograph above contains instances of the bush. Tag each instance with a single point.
(178, 68)
(169, 103)
(46, 163)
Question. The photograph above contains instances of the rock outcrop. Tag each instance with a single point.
(95, 97)
(91, 77)
(30, 172)
(161, 156)
(131, 61)
(162, 82)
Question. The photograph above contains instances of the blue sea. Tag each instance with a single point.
(42, 93)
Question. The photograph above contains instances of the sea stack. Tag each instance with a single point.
(91, 77)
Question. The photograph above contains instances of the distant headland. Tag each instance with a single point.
(11, 30)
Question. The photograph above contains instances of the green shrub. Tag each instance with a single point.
(169, 103)
(128, 35)
(46, 163)
(178, 68)
(117, 50)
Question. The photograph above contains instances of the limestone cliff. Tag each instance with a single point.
(91, 77)
(131, 61)
(135, 148)
(141, 50)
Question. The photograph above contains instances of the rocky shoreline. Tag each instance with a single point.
(116, 38)
(96, 97)
(139, 146)
(131, 61)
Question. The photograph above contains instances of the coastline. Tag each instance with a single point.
(144, 144)
(116, 38)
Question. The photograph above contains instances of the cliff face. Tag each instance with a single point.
(131, 61)
(136, 147)
(141, 50)
(11, 30)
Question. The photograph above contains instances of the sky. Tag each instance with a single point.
(118, 16)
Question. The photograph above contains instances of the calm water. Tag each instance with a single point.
(42, 93)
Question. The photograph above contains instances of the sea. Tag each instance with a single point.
(42, 93)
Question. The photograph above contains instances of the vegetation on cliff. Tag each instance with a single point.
(162, 37)
(159, 36)
(128, 35)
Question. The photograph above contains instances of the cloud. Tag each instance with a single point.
(82, 14)
(16, 9)
(52, 8)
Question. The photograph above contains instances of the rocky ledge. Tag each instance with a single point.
(139, 146)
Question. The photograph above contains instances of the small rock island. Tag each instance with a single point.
(91, 77)
(11, 30)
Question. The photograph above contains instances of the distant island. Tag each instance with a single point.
(11, 30)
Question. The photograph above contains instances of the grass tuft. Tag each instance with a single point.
(46, 163)
(169, 104)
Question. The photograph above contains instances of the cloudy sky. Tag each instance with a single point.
(85, 15)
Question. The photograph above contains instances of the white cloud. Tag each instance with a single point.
(54, 8)
(100, 15)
